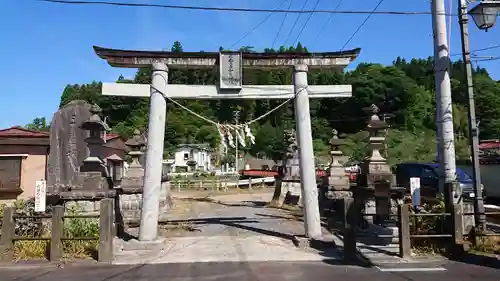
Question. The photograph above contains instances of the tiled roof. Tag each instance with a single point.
(20, 132)
(111, 136)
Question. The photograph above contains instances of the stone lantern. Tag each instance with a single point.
(376, 176)
(375, 164)
(96, 128)
(136, 144)
(337, 180)
(93, 173)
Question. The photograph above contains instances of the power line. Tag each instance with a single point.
(295, 23)
(260, 23)
(326, 23)
(307, 21)
(281, 25)
(486, 59)
(353, 12)
(362, 24)
(479, 50)
(487, 48)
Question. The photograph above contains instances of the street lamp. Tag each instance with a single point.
(485, 14)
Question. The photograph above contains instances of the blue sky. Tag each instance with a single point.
(46, 46)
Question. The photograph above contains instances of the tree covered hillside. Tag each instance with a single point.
(404, 89)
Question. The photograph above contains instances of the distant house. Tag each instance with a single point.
(251, 162)
(23, 161)
(190, 158)
(24, 157)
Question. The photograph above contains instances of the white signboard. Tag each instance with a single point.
(230, 67)
(415, 191)
(40, 195)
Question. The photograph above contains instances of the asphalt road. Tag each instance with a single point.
(258, 271)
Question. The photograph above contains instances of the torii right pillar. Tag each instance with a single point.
(308, 185)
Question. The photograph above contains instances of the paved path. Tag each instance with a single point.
(241, 214)
(234, 228)
(247, 271)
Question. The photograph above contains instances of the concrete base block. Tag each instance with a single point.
(136, 245)
(303, 242)
(374, 230)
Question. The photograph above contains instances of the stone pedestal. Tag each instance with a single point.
(131, 203)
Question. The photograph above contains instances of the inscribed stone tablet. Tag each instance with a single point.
(67, 144)
(230, 70)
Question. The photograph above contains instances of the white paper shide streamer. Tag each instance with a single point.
(230, 139)
(249, 135)
(222, 136)
(241, 134)
(241, 140)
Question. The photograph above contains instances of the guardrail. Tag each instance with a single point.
(105, 238)
(214, 184)
(352, 221)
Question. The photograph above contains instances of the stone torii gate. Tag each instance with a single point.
(230, 65)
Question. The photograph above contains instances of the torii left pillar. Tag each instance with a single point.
(148, 230)
(305, 145)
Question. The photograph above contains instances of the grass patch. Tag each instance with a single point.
(487, 244)
(31, 250)
(33, 228)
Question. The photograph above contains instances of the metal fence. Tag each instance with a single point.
(105, 238)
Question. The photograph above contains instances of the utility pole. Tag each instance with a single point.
(440, 147)
(444, 101)
(479, 216)
(236, 118)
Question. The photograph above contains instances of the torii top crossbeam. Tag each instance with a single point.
(135, 59)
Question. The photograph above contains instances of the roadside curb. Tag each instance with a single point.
(46, 264)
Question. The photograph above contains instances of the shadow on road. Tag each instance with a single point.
(236, 222)
(255, 204)
(476, 259)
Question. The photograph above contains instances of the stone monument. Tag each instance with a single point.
(93, 182)
(67, 145)
(78, 175)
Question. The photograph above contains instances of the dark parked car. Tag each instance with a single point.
(428, 174)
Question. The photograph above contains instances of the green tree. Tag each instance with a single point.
(38, 124)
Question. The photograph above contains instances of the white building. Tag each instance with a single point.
(190, 158)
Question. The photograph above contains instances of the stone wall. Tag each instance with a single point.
(130, 204)
(82, 207)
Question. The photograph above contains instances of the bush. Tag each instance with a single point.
(428, 225)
